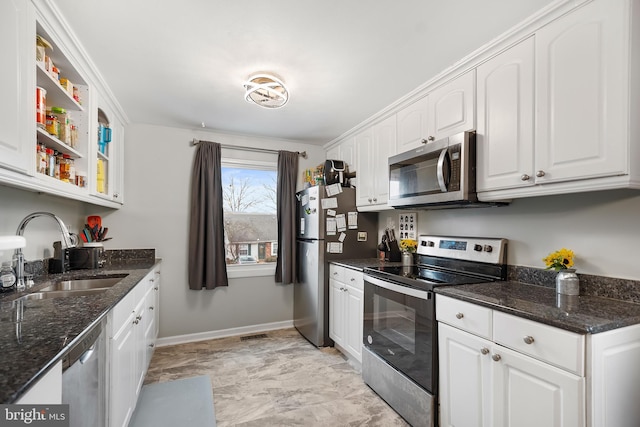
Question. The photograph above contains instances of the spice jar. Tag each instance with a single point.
(52, 124)
(64, 167)
(41, 158)
(41, 107)
(56, 166)
(51, 162)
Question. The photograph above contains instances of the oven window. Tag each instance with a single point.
(401, 329)
(396, 322)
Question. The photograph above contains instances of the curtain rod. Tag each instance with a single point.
(195, 142)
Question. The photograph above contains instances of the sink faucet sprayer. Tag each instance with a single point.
(19, 256)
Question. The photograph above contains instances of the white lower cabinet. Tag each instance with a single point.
(485, 383)
(524, 373)
(132, 335)
(346, 306)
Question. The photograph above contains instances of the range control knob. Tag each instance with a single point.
(428, 243)
(477, 248)
(488, 248)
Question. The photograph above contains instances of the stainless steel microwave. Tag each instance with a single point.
(437, 175)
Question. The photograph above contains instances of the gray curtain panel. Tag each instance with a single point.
(207, 264)
(286, 194)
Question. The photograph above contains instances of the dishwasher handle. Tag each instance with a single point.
(87, 354)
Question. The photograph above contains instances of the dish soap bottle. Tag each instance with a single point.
(7, 277)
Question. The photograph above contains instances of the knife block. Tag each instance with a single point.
(393, 256)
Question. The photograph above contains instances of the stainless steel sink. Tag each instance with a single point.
(61, 294)
(94, 283)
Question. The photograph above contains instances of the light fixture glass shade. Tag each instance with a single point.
(266, 91)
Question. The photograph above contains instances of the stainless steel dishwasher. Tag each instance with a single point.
(83, 380)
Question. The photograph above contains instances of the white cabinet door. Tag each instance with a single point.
(581, 76)
(364, 159)
(336, 311)
(465, 378)
(344, 150)
(384, 142)
(122, 375)
(354, 308)
(412, 128)
(530, 393)
(505, 119)
(452, 107)
(17, 91)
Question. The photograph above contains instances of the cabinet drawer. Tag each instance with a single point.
(336, 272)
(354, 278)
(552, 345)
(122, 311)
(464, 315)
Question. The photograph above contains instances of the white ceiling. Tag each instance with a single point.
(183, 63)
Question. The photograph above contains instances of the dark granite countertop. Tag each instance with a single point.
(50, 327)
(582, 314)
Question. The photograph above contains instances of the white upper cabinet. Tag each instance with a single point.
(505, 119)
(582, 94)
(373, 148)
(17, 112)
(70, 87)
(412, 125)
(452, 107)
(447, 110)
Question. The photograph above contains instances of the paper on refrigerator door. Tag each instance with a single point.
(341, 237)
(334, 247)
(341, 222)
(331, 212)
(333, 189)
(331, 227)
(352, 220)
(305, 200)
(329, 203)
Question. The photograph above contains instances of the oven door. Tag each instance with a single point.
(400, 327)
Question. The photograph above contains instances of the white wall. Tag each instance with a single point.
(40, 233)
(600, 227)
(155, 215)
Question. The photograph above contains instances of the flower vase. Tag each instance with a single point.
(567, 282)
(407, 258)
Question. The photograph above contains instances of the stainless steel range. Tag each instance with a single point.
(400, 355)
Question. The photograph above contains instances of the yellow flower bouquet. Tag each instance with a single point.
(559, 260)
(408, 245)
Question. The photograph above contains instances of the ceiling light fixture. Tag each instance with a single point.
(266, 91)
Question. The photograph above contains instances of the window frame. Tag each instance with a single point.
(250, 270)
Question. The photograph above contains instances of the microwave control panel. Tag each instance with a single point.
(454, 158)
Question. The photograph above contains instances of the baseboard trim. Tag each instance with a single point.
(203, 336)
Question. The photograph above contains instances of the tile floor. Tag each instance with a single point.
(280, 380)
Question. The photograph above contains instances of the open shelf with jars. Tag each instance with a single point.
(62, 121)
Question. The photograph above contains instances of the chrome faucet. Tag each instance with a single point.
(19, 256)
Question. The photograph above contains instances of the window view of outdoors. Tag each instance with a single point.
(250, 227)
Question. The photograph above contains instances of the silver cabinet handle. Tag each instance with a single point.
(152, 345)
(431, 138)
(424, 141)
(525, 177)
(540, 174)
(369, 199)
(116, 195)
(151, 280)
(496, 357)
(138, 317)
(459, 315)
(352, 279)
(375, 199)
(156, 288)
(335, 273)
(484, 350)
(151, 307)
(136, 321)
(528, 339)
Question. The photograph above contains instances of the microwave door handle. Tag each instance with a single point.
(442, 180)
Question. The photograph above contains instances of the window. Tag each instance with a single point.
(250, 223)
(274, 249)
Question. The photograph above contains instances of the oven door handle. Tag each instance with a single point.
(426, 295)
(442, 180)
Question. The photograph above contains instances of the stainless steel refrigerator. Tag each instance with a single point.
(329, 228)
